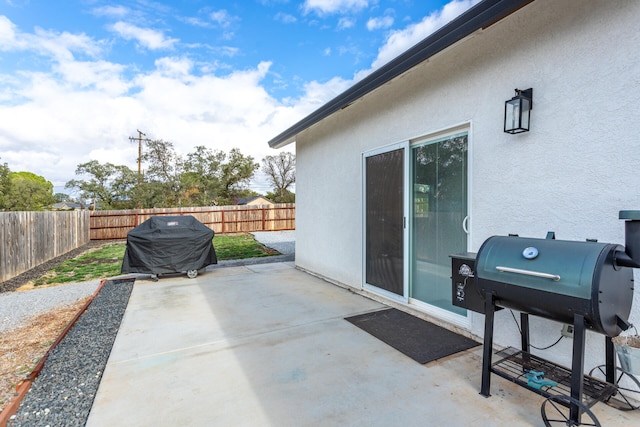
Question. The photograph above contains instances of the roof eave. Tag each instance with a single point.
(479, 16)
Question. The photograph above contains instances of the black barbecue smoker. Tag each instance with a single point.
(588, 285)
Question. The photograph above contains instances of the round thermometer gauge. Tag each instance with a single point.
(530, 252)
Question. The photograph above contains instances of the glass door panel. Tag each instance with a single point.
(439, 208)
(384, 221)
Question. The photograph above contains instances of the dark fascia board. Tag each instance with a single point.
(480, 16)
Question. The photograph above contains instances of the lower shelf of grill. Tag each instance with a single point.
(515, 364)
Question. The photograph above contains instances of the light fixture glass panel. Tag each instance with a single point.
(512, 115)
(526, 110)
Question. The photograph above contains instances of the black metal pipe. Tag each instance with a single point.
(631, 256)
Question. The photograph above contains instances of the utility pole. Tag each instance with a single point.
(139, 139)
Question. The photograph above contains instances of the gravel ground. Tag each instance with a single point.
(16, 307)
(282, 241)
(63, 393)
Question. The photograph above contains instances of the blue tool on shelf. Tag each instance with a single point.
(536, 380)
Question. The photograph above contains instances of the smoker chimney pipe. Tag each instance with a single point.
(631, 256)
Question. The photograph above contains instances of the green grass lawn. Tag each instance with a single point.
(107, 261)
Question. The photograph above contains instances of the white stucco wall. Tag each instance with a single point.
(571, 174)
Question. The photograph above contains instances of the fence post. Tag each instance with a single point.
(222, 212)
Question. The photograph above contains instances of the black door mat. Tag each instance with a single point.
(420, 340)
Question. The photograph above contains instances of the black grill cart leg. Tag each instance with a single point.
(490, 309)
(577, 367)
(524, 326)
(610, 361)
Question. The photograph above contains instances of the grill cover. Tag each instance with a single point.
(169, 244)
(557, 278)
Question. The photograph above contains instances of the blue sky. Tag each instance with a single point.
(79, 77)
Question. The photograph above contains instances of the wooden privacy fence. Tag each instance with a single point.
(28, 239)
(107, 225)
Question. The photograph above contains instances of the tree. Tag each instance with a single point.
(236, 175)
(28, 192)
(206, 177)
(162, 176)
(281, 171)
(61, 197)
(110, 186)
(285, 196)
(5, 182)
(201, 177)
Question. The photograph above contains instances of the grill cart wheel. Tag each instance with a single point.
(627, 396)
(192, 274)
(556, 412)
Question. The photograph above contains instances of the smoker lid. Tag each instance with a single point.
(632, 215)
(556, 266)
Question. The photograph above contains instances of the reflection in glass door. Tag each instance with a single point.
(438, 211)
(384, 196)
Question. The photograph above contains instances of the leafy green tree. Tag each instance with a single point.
(201, 177)
(28, 192)
(5, 182)
(284, 196)
(281, 171)
(108, 185)
(236, 174)
(215, 177)
(205, 178)
(61, 197)
(162, 176)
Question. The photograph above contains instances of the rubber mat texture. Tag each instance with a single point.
(416, 338)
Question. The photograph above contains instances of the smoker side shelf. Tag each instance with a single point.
(516, 364)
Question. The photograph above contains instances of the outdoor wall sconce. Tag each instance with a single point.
(517, 112)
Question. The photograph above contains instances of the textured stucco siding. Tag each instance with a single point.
(571, 174)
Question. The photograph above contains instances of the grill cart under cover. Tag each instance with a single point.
(169, 244)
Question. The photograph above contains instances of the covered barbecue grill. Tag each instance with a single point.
(169, 244)
(586, 284)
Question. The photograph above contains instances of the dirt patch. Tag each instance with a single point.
(22, 348)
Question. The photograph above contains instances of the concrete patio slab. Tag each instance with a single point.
(267, 345)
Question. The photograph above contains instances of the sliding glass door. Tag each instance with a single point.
(385, 219)
(439, 176)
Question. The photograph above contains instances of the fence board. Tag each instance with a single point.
(28, 239)
(114, 225)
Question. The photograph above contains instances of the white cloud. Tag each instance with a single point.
(60, 46)
(345, 23)
(285, 18)
(7, 34)
(326, 7)
(112, 11)
(401, 40)
(379, 23)
(196, 22)
(151, 39)
(222, 18)
(102, 75)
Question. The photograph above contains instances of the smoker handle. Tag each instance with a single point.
(553, 277)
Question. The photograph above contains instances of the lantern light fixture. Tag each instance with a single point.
(517, 112)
